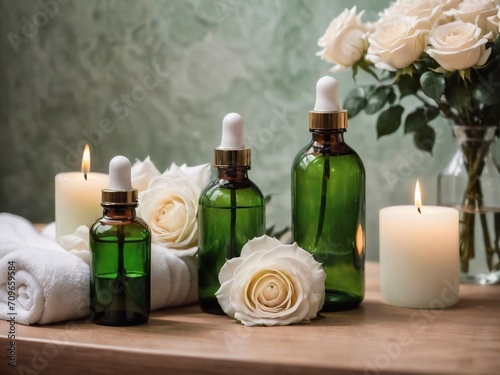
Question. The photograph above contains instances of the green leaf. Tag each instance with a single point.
(415, 121)
(377, 100)
(389, 120)
(457, 96)
(486, 92)
(355, 101)
(391, 98)
(431, 113)
(409, 70)
(408, 85)
(465, 74)
(433, 85)
(424, 138)
(440, 70)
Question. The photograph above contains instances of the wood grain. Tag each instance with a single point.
(373, 339)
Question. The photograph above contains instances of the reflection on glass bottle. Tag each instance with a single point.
(231, 212)
(328, 201)
(120, 243)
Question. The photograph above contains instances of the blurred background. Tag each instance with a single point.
(156, 78)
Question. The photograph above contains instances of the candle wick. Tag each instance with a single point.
(418, 209)
(85, 176)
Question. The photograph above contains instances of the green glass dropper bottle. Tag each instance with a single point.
(328, 201)
(120, 252)
(231, 212)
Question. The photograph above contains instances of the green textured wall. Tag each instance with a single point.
(159, 76)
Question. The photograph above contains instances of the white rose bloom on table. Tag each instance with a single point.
(397, 43)
(344, 41)
(170, 205)
(271, 284)
(142, 173)
(458, 45)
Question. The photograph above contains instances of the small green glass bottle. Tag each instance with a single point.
(231, 212)
(120, 255)
(328, 201)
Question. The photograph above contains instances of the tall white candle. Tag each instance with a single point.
(419, 256)
(78, 197)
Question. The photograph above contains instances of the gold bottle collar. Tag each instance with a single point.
(328, 120)
(118, 197)
(232, 158)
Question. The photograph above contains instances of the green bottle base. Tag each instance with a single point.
(119, 318)
(336, 300)
(210, 305)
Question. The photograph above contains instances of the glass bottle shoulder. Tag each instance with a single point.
(314, 154)
(133, 229)
(219, 192)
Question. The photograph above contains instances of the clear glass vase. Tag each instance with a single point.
(470, 182)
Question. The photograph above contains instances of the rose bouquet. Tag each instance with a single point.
(445, 54)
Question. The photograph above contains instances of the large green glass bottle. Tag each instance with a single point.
(328, 201)
(120, 265)
(231, 212)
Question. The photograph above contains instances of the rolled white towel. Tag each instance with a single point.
(52, 284)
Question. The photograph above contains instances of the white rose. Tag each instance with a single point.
(271, 284)
(344, 41)
(493, 24)
(170, 206)
(476, 12)
(142, 173)
(458, 45)
(430, 10)
(77, 243)
(397, 43)
(200, 174)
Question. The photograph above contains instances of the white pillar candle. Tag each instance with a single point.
(419, 256)
(78, 199)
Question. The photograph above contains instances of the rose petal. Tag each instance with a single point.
(142, 173)
(227, 271)
(259, 243)
(223, 295)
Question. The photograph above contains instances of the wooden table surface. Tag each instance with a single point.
(373, 339)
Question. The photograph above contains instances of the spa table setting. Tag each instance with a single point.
(375, 338)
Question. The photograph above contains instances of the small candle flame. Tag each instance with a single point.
(418, 199)
(86, 161)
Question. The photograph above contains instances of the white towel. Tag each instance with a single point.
(52, 284)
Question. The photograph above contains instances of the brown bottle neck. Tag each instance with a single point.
(321, 137)
(235, 174)
(119, 212)
(330, 142)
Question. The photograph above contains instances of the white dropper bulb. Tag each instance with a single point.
(119, 173)
(327, 95)
(232, 133)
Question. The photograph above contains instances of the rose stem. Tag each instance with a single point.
(322, 207)
(232, 234)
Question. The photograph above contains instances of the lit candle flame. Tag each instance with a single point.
(418, 199)
(86, 161)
